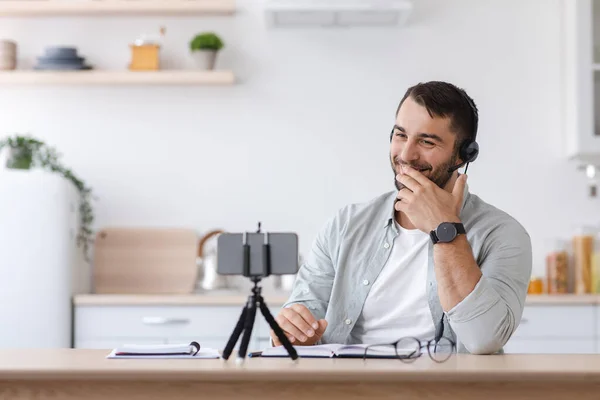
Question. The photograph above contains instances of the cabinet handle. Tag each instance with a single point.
(164, 321)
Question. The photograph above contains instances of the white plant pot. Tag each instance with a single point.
(205, 59)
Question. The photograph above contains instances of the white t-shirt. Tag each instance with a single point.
(397, 304)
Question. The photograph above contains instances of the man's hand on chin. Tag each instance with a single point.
(425, 203)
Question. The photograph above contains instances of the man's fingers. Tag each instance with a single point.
(405, 194)
(458, 189)
(408, 181)
(306, 315)
(322, 326)
(416, 175)
(290, 327)
(277, 342)
(299, 323)
(401, 205)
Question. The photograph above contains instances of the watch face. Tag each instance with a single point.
(446, 232)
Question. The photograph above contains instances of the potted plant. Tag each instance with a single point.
(204, 48)
(25, 152)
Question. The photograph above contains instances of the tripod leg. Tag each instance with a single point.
(277, 329)
(250, 317)
(235, 334)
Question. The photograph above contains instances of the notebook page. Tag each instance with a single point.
(322, 350)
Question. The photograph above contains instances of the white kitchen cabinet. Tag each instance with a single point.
(556, 329)
(110, 325)
(549, 325)
(557, 321)
(581, 66)
(550, 346)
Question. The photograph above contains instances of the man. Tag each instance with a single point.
(377, 273)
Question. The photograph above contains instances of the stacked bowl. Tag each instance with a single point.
(61, 58)
(8, 55)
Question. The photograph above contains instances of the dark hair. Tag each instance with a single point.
(442, 99)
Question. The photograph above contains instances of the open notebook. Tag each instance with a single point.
(337, 350)
(182, 350)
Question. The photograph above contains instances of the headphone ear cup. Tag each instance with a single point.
(469, 151)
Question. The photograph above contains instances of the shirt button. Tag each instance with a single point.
(386, 245)
(366, 282)
(348, 321)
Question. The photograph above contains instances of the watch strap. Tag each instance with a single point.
(460, 228)
(434, 237)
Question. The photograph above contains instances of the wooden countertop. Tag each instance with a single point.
(83, 364)
(273, 299)
(74, 374)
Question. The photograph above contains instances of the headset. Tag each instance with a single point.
(469, 148)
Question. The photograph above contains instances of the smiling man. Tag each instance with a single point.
(427, 260)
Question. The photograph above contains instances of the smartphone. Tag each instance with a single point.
(283, 247)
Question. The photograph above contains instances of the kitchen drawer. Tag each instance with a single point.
(110, 344)
(201, 322)
(550, 346)
(557, 321)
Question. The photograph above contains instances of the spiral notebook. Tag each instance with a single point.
(175, 350)
(339, 351)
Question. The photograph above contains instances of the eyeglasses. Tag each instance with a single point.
(408, 349)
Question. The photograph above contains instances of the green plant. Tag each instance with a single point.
(27, 152)
(206, 41)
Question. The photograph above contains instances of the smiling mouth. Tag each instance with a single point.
(418, 169)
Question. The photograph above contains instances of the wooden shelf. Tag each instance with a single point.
(32, 8)
(104, 77)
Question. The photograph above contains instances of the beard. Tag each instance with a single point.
(438, 175)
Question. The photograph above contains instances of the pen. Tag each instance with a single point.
(255, 354)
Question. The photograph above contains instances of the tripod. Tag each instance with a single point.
(246, 321)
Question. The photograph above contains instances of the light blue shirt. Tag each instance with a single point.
(354, 245)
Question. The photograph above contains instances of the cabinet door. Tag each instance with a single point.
(550, 346)
(557, 322)
(582, 80)
(201, 322)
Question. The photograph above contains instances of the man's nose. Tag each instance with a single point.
(409, 151)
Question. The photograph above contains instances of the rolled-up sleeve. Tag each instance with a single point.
(314, 281)
(486, 319)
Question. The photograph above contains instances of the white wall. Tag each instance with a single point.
(306, 129)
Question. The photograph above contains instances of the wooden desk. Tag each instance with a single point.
(86, 374)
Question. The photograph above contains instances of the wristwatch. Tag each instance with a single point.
(446, 232)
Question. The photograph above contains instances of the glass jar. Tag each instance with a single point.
(595, 263)
(557, 268)
(583, 250)
(536, 285)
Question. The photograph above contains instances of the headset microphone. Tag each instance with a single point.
(452, 169)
